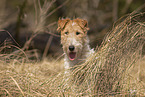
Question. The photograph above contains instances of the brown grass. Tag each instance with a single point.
(117, 68)
(109, 71)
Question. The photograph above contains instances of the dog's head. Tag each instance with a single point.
(73, 36)
(81, 22)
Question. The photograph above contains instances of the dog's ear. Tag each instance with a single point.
(83, 24)
(62, 23)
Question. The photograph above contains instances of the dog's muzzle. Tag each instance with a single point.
(72, 54)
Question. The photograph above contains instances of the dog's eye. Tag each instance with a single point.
(77, 33)
(66, 33)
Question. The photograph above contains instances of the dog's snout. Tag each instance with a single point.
(71, 48)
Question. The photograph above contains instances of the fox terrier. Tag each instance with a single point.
(74, 40)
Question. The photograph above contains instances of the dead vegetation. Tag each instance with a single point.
(111, 70)
(117, 68)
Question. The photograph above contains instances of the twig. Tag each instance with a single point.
(11, 37)
(125, 8)
(36, 11)
(53, 34)
(49, 5)
(47, 46)
(17, 52)
(26, 46)
(57, 8)
(51, 24)
(115, 10)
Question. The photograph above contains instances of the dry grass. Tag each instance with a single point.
(117, 68)
(21, 79)
(110, 71)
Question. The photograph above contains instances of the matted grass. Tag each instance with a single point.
(110, 70)
(115, 69)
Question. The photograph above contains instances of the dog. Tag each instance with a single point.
(74, 40)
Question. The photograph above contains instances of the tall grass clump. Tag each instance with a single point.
(109, 71)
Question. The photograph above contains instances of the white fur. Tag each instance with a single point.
(73, 23)
(85, 53)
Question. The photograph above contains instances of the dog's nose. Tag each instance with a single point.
(71, 48)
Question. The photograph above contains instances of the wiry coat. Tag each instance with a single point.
(75, 41)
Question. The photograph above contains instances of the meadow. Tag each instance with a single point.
(116, 68)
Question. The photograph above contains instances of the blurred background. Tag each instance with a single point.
(31, 25)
